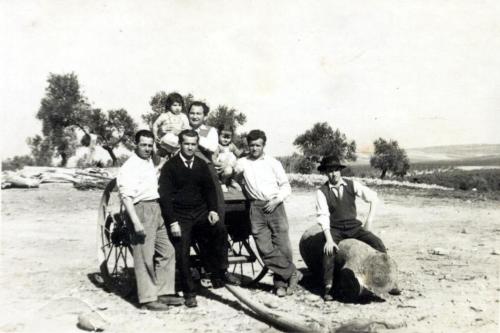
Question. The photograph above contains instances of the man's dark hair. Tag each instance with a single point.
(205, 107)
(172, 98)
(190, 133)
(144, 133)
(256, 135)
(226, 127)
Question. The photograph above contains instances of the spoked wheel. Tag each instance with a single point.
(114, 252)
(245, 262)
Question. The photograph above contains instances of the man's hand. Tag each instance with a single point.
(175, 229)
(271, 205)
(139, 232)
(213, 217)
(330, 248)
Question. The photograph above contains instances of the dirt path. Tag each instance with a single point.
(48, 252)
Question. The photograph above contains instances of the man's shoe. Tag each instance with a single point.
(218, 283)
(231, 279)
(327, 295)
(171, 300)
(294, 281)
(154, 306)
(190, 302)
(280, 291)
(224, 277)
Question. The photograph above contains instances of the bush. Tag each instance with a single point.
(481, 180)
(17, 162)
(297, 163)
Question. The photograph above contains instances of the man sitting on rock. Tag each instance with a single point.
(337, 216)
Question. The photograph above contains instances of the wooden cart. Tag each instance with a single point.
(114, 252)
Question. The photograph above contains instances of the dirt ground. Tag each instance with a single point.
(48, 253)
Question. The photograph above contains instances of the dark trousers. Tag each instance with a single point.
(221, 206)
(270, 232)
(212, 242)
(345, 231)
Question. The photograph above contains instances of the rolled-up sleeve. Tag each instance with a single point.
(322, 211)
(364, 192)
(126, 182)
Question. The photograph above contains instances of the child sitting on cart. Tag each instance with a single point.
(225, 156)
(167, 127)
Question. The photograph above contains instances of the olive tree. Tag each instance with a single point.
(388, 156)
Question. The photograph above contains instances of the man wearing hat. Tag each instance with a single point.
(337, 216)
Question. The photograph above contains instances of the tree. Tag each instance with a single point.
(321, 140)
(41, 150)
(157, 104)
(17, 162)
(389, 156)
(60, 111)
(225, 115)
(112, 129)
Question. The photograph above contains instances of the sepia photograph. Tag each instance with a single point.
(250, 166)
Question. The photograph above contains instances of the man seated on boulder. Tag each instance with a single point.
(336, 213)
(189, 203)
(154, 255)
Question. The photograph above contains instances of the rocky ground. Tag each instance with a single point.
(447, 250)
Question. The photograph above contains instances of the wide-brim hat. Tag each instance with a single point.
(330, 163)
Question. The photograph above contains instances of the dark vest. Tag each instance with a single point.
(342, 211)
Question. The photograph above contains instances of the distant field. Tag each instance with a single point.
(483, 178)
(418, 168)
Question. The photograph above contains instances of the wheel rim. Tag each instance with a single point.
(114, 252)
(245, 262)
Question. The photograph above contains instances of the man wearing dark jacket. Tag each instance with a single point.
(189, 203)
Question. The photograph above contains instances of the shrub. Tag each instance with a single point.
(297, 163)
(17, 162)
(481, 180)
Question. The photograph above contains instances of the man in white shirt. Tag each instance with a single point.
(154, 255)
(208, 143)
(267, 186)
(337, 216)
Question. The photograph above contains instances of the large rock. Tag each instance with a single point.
(362, 269)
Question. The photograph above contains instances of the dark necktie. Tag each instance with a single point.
(189, 163)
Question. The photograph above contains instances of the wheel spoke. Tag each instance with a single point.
(105, 245)
(110, 251)
(126, 252)
(116, 261)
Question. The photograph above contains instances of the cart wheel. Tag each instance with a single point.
(114, 252)
(245, 262)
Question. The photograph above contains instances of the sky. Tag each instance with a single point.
(424, 73)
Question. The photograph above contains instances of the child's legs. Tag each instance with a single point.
(226, 174)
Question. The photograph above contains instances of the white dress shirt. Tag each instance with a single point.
(137, 179)
(265, 178)
(187, 163)
(322, 211)
(211, 141)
